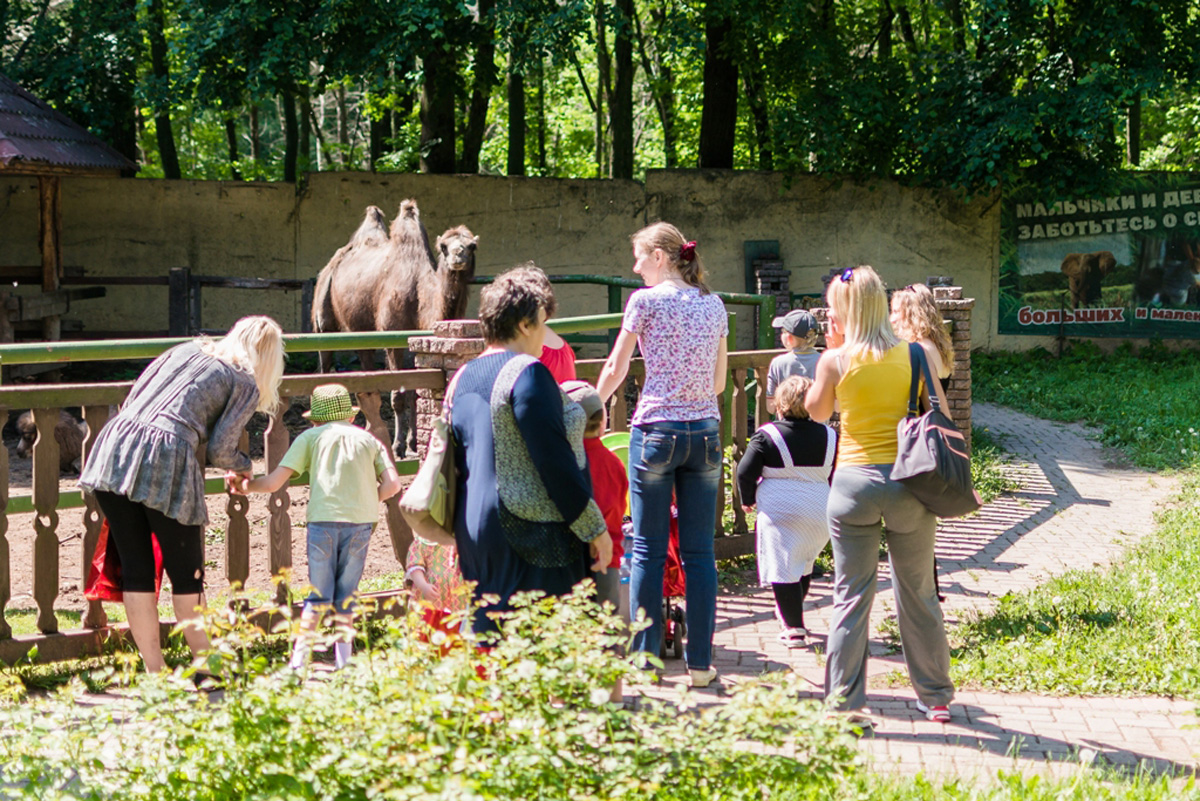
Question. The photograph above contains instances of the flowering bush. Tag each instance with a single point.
(527, 719)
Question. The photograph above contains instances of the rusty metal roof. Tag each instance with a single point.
(33, 136)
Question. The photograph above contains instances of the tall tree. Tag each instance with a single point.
(156, 32)
(483, 82)
(438, 90)
(718, 123)
(620, 102)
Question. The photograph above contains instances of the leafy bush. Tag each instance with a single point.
(404, 722)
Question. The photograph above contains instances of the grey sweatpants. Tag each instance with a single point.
(863, 501)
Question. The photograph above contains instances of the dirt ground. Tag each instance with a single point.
(381, 560)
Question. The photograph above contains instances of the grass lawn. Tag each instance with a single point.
(1134, 627)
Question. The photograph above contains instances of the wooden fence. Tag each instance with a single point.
(747, 370)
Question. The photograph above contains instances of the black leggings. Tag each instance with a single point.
(789, 598)
(129, 527)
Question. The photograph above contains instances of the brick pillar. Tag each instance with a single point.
(772, 278)
(453, 344)
(957, 310)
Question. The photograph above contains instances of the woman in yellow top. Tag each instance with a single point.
(867, 370)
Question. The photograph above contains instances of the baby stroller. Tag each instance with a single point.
(674, 587)
(674, 625)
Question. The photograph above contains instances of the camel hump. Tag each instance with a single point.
(408, 209)
(373, 230)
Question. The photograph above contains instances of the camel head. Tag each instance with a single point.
(456, 250)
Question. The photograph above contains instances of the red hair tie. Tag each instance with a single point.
(687, 252)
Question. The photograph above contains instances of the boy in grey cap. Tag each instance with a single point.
(798, 330)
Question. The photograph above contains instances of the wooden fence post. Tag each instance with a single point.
(93, 518)
(5, 575)
(45, 520)
(237, 532)
(275, 445)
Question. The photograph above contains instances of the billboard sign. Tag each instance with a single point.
(1122, 265)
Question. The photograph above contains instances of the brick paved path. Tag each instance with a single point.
(1078, 507)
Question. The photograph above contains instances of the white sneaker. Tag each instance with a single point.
(793, 637)
(703, 678)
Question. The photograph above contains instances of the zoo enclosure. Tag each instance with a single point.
(46, 501)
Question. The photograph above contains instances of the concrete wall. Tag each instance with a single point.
(145, 227)
(906, 234)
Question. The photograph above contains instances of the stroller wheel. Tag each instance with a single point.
(672, 644)
(680, 629)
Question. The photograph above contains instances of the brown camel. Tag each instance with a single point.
(389, 281)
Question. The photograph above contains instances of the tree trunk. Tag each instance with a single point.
(343, 127)
(438, 134)
(718, 119)
(317, 132)
(541, 116)
(381, 132)
(304, 163)
(756, 96)
(291, 137)
(958, 25)
(906, 28)
(162, 114)
(662, 82)
(255, 138)
(884, 37)
(481, 88)
(516, 123)
(1133, 131)
(232, 143)
(621, 103)
(603, 88)
(123, 100)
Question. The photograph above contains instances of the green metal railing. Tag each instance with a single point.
(764, 336)
(116, 349)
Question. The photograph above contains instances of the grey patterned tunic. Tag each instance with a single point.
(148, 451)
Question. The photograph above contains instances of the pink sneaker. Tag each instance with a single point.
(938, 714)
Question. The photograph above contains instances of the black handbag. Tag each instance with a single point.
(932, 459)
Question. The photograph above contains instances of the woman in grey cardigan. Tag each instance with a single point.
(147, 479)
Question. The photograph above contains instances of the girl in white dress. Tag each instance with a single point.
(786, 472)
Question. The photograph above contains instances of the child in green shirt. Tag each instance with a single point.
(350, 474)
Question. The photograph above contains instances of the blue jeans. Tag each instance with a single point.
(684, 458)
(337, 553)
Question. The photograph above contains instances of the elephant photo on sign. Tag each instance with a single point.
(1085, 272)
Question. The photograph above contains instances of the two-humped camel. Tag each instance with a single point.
(388, 280)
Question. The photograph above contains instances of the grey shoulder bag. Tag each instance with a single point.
(932, 459)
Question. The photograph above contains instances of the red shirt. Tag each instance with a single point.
(610, 487)
(560, 362)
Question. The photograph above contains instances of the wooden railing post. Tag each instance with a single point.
(237, 532)
(95, 416)
(275, 445)
(5, 574)
(45, 522)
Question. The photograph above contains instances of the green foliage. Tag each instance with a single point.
(1143, 402)
(1026, 92)
(1134, 627)
(404, 722)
